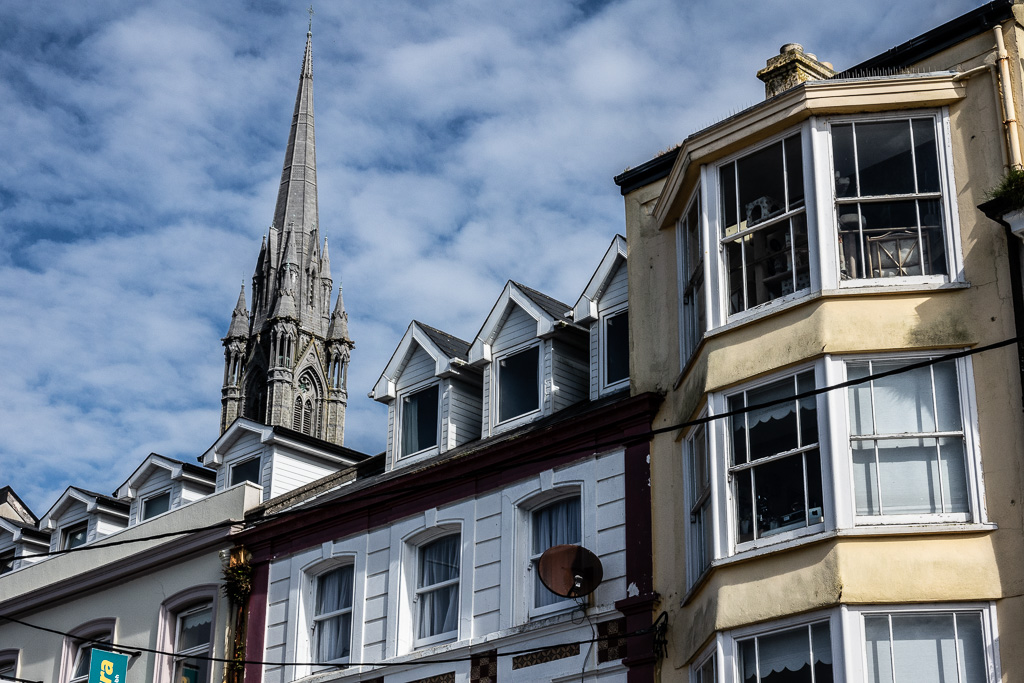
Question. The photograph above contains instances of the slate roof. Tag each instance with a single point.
(450, 345)
(553, 307)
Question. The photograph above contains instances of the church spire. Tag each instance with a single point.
(284, 370)
(296, 198)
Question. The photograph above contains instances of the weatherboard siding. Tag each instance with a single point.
(158, 481)
(595, 361)
(617, 291)
(246, 447)
(291, 471)
(419, 367)
(569, 370)
(493, 584)
(464, 412)
(519, 327)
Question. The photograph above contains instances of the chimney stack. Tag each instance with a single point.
(790, 68)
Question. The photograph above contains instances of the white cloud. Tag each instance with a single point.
(460, 144)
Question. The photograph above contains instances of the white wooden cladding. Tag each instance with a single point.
(495, 582)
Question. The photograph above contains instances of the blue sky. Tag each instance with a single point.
(459, 144)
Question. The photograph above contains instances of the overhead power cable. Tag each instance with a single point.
(137, 650)
(499, 467)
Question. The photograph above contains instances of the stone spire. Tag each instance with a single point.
(288, 360)
(296, 199)
(338, 331)
(239, 328)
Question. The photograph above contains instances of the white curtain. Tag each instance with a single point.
(789, 652)
(439, 563)
(334, 634)
(555, 524)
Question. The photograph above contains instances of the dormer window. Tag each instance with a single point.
(419, 420)
(6, 564)
(247, 470)
(156, 505)
(616, 348)
(518, 384)
(74, 536)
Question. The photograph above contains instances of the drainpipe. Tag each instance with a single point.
(994, 209)
(1009, 112)
(992, 70)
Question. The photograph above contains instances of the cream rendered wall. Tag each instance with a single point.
(45, 594)
(911, 568)
(135, 604)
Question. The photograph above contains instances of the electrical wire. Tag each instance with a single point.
(417, 488)
(136, 651)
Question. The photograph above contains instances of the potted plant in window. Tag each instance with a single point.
(1005, 201)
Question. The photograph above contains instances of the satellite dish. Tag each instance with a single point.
(570, 571)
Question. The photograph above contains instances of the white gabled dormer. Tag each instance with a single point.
(161, 484)
(79, 517)
(276, 458)
(18, 533)
(604, 306)
(433, 395)
(533, 357)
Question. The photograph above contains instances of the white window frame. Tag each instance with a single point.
(65, 535)
(822, 130)
(728, 642)
(972, 457)
(726, 524)
(535, 505)
(417, 590)
(402, 398)
(9, 662)
(167, 630)
(522, 418)
(838, 495)
(231, 471)
(702, 502)
(314, 618)
(854, 632)
(712, 210)
(10, 557)
(688, 314)
(710, 656)
(145, 502)
(822, 221)
(607, 387)
(80, 639)
(205, 650)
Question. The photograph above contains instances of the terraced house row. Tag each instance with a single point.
(791, 433)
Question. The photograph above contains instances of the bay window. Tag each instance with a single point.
(888, 198)
(895, 450)
(764, 225)
(558, 523)
(437, 589)
(915, 647)
(775, 465)
(800, 654)
(700, 538)
(693, 320)
(907, 441)
(332, 621)
(834, 202)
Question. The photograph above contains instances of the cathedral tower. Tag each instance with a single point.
(286, 362)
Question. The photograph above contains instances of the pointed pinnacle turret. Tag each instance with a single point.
(239, 327)
(338, 330)
(296, 199)
(325, 264)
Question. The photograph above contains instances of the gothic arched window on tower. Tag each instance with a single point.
(306, 412)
